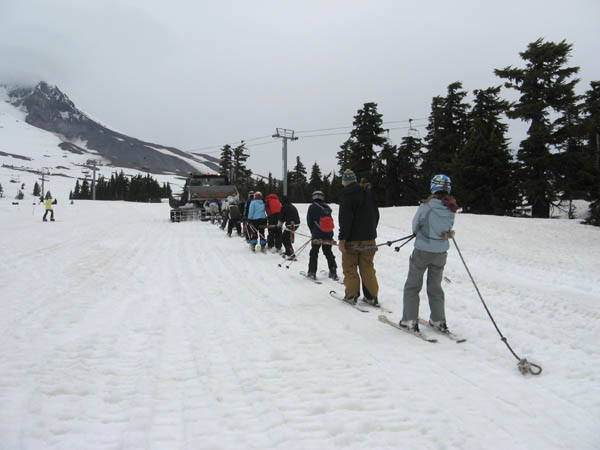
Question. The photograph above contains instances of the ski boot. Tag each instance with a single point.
(439, 325)
(311, 275)
(352, 300)
(410, 325)
(253, 247)
(333, 275)
(371, 301)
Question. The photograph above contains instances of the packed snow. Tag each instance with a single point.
(121, 329)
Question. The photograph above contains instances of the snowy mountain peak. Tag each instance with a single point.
(47, 107)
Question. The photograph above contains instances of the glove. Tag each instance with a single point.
(279, 224)
(342, 246)
(447, 235)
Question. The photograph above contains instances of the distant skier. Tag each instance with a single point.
(320, 223)
(245, 210)
(273, 209)
(48, 204)
(225, 212)
(257, 221)
(432, 225)
(291, 221)
(358, 220)
(213, 209)
(235, 217)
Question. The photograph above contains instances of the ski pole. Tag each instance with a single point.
(410, 238)
(524, 365)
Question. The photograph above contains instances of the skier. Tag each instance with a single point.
(213, 209)
(48, 204)
(257, 219)
(320, 223)
(432, 225)
(234, 218)
(273, 209)
(225, 212)
(245, 210)
(290, 219)
(358, 220)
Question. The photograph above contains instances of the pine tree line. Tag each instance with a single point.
(119, 187)
(558, 161)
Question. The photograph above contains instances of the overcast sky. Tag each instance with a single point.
(197, 74)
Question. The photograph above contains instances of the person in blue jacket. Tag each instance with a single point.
(432, 225)
(257, 218)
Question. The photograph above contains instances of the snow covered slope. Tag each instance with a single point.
(120, 329)
(25, 150)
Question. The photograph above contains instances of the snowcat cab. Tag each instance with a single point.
(199, 191)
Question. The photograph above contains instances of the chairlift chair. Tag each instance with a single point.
(412, 132)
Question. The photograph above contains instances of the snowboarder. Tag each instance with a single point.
(257, 220)
(432, 225)
(320, 223)
(273, 209)
(290, 219)
(358, 220)
(48, 204)
(234, 218)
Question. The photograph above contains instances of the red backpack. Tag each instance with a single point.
(326, 224)
(273, 204)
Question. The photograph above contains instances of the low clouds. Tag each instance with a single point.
(195, 74)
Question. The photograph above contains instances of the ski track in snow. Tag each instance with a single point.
(123, 330)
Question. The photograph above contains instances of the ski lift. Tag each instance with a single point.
(412, 132)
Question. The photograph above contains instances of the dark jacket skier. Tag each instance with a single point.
(358, 220)
(321, 238)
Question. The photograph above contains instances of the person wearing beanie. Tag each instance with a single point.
(348, 177)
(358, 220)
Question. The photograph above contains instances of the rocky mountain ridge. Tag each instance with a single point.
(48, 108)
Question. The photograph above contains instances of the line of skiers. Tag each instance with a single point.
(358, 219)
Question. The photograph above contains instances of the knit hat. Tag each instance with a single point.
(348, 177)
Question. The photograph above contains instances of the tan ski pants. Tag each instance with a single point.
(363, 261)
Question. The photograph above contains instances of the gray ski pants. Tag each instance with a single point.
(434, 263)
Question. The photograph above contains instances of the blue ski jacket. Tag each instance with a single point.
(431, 220)
(257, 210)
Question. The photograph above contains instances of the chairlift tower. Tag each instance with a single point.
(284, 134)
(93, 165)
(43, 173)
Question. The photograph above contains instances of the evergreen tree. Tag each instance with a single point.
(20, 195)
(315, 182)
(544, 87)
(48, 195)
(37, 190)
(85, 190)
(591, 108)
(1, 190)
(297, 182)
(446, 131)
(365, 138)
(343, 156)
(241, 174)
(409, 185)
(483, 171)
(227, 162)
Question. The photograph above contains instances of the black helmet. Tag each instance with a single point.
(318, 195)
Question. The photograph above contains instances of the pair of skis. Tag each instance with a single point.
(449, 334)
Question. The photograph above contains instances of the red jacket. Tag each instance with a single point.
(272, 204)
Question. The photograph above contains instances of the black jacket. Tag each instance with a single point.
(289, 214)
(313, 219)
(358, 215)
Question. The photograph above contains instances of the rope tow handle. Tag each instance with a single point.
(524, 366)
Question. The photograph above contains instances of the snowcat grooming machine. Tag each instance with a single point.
(199, 191)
